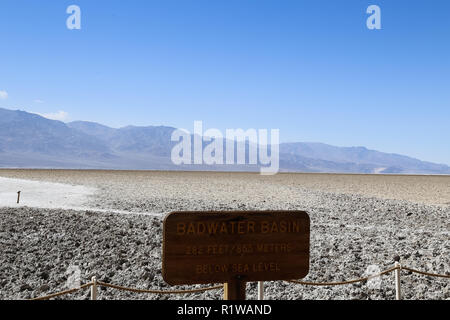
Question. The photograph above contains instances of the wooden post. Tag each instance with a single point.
(398, 291)
(260, 290)
(94, 289)
(234, 290)
(18, 196)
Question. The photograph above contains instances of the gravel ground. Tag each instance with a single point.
(351, 232)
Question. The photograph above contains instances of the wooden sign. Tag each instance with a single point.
(235, 247)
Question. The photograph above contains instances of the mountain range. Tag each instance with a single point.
(29, 140)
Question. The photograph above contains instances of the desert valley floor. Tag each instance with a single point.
(109, 224)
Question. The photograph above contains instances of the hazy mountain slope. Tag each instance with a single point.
(385, 162)
(154, 140)
(297, 163)
(151, 139)
(99, 131)
(29, 140)
(30, 133)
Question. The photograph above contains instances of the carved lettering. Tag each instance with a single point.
(216, 247)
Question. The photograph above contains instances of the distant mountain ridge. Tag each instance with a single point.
(380, 162)
(30, 141)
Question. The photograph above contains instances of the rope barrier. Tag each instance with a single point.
(113, 286)
(54, 295)
(426, 273)
(343, 282)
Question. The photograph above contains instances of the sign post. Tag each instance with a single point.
(235, 247)
(234, 290)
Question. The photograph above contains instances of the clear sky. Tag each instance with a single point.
(309, 68)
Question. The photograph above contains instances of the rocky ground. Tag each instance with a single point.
(350, 235)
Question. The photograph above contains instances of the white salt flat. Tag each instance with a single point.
(40, 194)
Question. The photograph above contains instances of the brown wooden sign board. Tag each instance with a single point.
(235, 246)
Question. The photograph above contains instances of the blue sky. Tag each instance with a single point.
(309, 68)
